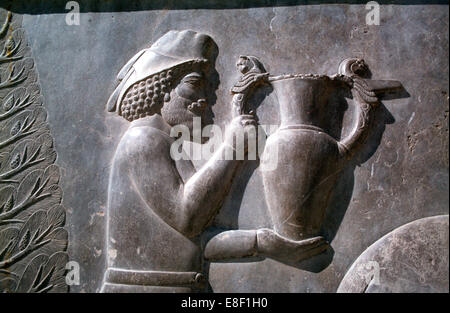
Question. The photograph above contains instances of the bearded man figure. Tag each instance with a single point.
(157, 206)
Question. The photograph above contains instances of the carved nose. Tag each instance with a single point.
(201, 103)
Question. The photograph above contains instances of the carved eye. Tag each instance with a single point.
(192, 78)
(194, 81)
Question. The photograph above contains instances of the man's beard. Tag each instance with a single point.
(181, 111)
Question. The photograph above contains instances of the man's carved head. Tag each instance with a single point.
(175, 77)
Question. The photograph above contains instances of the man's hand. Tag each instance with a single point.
(243, 127)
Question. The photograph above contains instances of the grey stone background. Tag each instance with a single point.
(399, 179)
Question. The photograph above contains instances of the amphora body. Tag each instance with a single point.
(302, 162)
(298, 187)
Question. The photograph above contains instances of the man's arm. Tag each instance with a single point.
(204, 192)
(186, 206)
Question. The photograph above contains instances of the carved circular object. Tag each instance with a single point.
(411, 258)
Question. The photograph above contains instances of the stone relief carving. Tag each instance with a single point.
(32, 238)
(411, 258)
(299, 190)
(158, 207)
(253, 75)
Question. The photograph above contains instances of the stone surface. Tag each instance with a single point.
(411, 258)
(400, 176)
(33, 241)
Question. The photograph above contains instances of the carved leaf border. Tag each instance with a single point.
(33, 241)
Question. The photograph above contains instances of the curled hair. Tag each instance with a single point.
(146, 97)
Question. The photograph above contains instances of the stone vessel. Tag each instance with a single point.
(302, 162)
(309, 160)
(299, 186)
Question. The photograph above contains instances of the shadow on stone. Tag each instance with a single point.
(344, 188)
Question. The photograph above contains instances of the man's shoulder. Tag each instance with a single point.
(144, 139)
(146, 131)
